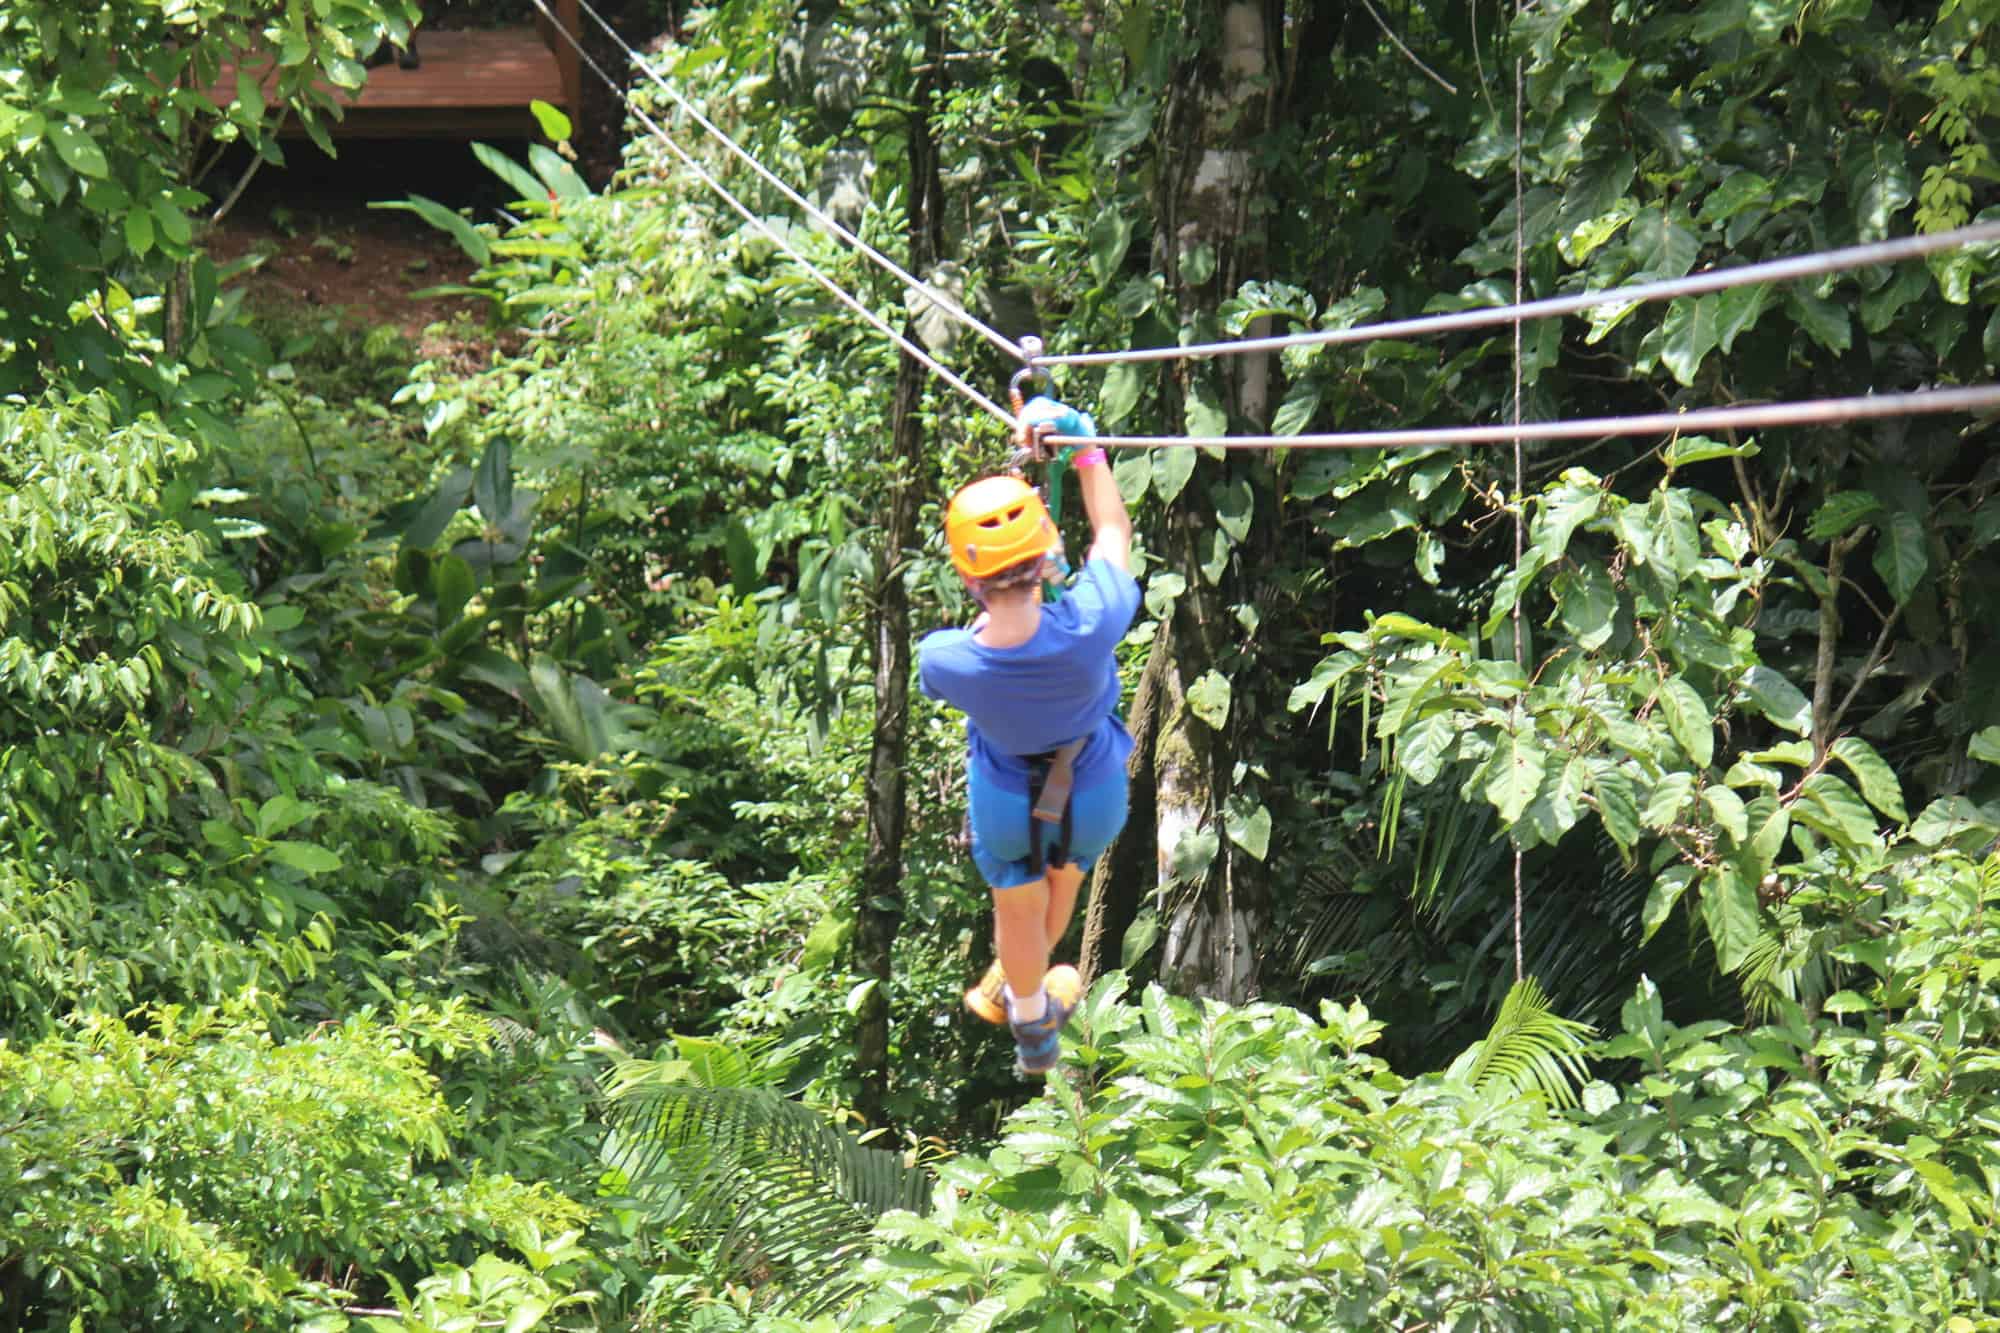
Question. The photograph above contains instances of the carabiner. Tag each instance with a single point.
(1024, 441)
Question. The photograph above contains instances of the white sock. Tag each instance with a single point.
(1027, 1008)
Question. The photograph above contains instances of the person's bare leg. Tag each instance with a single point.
(1063, 884)
(1021, 935)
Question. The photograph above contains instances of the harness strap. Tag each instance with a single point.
(1050, 777)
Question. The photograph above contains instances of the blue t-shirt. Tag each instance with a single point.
(1038, 695)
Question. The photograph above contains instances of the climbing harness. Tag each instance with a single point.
(1050, 776)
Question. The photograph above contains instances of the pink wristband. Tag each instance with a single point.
(1089, 458)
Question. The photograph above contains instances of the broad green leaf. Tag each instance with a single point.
(1825, 322)
(1841, 511)
(518, 178)
(1110, 236)
(139, 231)
(1421, 746)
(1250, 829)
(1879, 182)
(493, 482)
(79, 150)
(1729, 909)
(307, 857)
(1516, 773)
(1737, 311)
(1738, 190)
(436, 514)
(452, 586)
(1661, 246)
(1879, 786)
(1205, 413)
(469, 238)
(1984, 746)
(1831, 806)
(1560, 512)
(1667, 799)
(1902, 554)
(1771, 694)
(1588, 605)
(1208, 699)
(1611, 791)
(1668, 886)
(1687, 718)
(554, 124)
(1690, 332)
(280, 813)
(1172, 467)
(1952, 817)
(1235, 508)
(1120, 393)
(1296, 412)
(1727, 808)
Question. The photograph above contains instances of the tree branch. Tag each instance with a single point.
(1408, 54)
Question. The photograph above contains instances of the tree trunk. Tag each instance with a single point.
(880, 911)
(1129, 867)
(1208, 244)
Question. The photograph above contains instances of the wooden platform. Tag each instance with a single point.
(473, 83)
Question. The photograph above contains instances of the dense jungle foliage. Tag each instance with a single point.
(470, 855)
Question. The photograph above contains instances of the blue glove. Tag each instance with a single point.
(1066, 420)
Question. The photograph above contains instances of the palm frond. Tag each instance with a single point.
(767, 1188)
(1530, 1046)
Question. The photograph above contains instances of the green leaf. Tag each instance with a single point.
(493, 482)
(1205, 413)
(1687, 718)
(1296, 412)
(1771, 694)
(469, 238)
(518, 178)
(1880, 184)
(1611, 791)
(1110, 237)
(1831, 806)
(1690, 331)
(1824, 321)
(1729, 909)
(1667, 799)
(1250, 829)
(1661, 247)
(554, 124)
(1984, 746)
(279, 813)
(452, 586)
(139, 231)
(1902, 555)
(1841, 511)
(1235, 507)
(436, 514)
(1737, 311)
(1171, 469)
(1727, 808)
(1120, 393)
(79, 150)
(307, 857)
(1516, 774)
(1208, 699)
(1879, 786)
(1667, 889)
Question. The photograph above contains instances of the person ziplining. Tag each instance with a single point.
(1038, 683)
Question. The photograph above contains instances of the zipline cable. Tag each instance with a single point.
(910, 281)
(1813, 411)
(853, 303)
(1715, 280)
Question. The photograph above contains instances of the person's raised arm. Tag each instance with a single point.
(1110, 525)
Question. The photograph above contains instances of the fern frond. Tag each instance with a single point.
(770, 1187)
(1529, 1046)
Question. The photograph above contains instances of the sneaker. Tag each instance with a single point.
(1038, 1045)
(988, 1000)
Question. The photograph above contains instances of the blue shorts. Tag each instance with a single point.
(999, 820)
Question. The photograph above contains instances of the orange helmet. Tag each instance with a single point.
(997, 522)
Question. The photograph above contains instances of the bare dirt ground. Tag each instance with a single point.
(320, 251)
